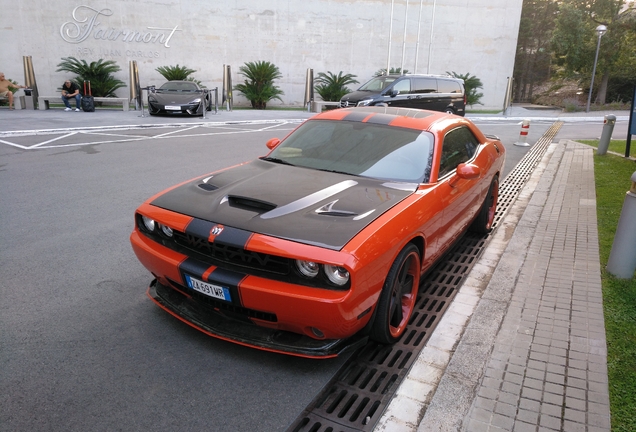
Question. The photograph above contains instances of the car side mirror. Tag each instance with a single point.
(394, 93)
(468, 171)
(272, 143)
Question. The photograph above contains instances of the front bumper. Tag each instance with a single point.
(217, 323)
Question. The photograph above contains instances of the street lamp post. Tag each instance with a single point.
(600, 30)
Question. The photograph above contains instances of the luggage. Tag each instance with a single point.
(88, 103)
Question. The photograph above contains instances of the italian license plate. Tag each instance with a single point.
(209, 289)
(173, 107)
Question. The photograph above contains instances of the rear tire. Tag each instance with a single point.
(484, 220)
(398, 297)
(449, 110)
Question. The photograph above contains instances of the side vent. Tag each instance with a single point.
(250, 204)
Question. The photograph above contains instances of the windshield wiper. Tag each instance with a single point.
(339, 172)
(276, 160)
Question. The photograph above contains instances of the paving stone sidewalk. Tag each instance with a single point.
(547, 368)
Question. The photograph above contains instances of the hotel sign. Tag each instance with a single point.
(85, 25)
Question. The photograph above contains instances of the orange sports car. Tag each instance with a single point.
(321, 243)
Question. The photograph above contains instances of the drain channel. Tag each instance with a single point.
(357, 395)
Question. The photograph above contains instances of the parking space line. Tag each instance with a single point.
(54, 139)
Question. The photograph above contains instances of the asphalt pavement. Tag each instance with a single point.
(522, 347)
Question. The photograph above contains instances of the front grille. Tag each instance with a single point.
(233, 311)
(233, 255)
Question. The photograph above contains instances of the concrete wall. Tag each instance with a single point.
(475, 37)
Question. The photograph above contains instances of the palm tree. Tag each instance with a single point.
(333, 87)
(259, 86)
(99, 73)
(471, 84)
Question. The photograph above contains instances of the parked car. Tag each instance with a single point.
(178, 97)
(431, 92)
(322, 242)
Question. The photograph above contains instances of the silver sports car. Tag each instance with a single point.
(178, 97)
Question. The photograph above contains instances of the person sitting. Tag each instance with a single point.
(5, 89)
(70, 90)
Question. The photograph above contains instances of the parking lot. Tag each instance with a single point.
(83, 348)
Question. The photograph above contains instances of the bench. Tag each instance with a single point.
(317, 106)
(43, 101)
(18, 101)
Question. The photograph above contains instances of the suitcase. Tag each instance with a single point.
(88, 103)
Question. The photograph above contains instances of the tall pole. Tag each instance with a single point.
(417, 44)
(406, 15)
(601, 31)
(430, 43)
(388, 57)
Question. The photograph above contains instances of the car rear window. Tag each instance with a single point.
(448, 86)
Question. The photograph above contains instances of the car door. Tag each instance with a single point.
(423, 94)
(400, 93)
(461, 196)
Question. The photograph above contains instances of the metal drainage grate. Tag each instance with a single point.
(357, 395)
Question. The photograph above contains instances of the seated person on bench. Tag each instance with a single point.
(70, 90)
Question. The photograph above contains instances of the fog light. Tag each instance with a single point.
(309, 269)
(148, 223)
(337, 275)
(317, 333)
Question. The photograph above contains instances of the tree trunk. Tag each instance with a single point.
(602, 90)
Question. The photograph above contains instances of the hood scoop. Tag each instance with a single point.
(328, 210)
(249, 204)
(207, 187)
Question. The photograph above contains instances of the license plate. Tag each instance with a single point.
(209, 289)
(173, 107)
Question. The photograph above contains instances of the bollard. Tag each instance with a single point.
(606, 135)
(622, 259)
(523, 135)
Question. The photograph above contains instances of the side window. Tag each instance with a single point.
(448, 86)
(424, 85)
(459, 146)
(403, 86)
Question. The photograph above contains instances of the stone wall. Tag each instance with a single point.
(326, 35)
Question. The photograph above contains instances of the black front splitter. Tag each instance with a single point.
(214, 323)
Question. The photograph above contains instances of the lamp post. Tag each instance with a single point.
(600, 30)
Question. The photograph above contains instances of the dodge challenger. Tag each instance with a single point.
(321, 243)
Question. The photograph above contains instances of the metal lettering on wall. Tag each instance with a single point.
(85, 24)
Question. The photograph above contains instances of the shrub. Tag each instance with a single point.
(99, 73)
(333, 87)
(471, 84)
(392, 71)
(259, 86)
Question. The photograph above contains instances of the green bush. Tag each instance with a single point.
(471, 84)
(331, 87)
(392, 71)
(99, 73)
(259, 86)
(178, 73)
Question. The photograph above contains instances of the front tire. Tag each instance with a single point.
(398, 296)
(484, 220)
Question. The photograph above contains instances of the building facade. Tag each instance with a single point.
(357, 37)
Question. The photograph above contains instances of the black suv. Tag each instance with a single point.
(432, 92)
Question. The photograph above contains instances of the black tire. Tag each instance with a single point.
(449, 110)
(486, 216)
(398, 297)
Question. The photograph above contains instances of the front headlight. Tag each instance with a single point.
(166, 230)
(148, 223)
(309, 269)
(364, 102)
(336, 274)
(197, 100)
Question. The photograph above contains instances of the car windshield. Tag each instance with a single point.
(377, 84)
(360, 149)
(179, 87)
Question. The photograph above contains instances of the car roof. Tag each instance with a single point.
(390, 116)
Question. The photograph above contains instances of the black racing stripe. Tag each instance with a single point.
(233, 237)
(229, 279)
(381, 119)
(199, 228)
(193, 267)
(357, 116)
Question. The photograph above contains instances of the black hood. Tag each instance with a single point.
(299, 204)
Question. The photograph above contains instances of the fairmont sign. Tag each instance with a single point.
(86, 25)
